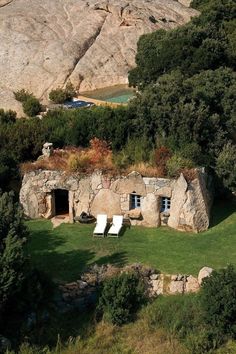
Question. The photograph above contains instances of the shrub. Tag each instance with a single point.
(120, 298)
(22, 95)
(7, 116)
(177, 163)
(31, 106)
(218, 301)
(60, 95)
(78, 163)
(192, 152)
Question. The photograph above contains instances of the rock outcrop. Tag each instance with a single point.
(93, 44)
(204, 273)
(190, 204)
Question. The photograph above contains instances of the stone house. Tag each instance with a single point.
(147, 201)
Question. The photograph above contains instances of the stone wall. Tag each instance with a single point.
(81, 294)
(98, 193)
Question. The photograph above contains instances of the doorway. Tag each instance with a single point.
(61, 201)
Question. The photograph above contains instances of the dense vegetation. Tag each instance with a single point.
(187, 82)
(186, 104)
(19, 280)
(120, 298)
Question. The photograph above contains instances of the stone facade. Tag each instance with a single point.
(98, 193)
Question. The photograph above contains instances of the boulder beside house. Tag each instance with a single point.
(147, 201)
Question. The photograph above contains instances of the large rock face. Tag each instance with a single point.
(190, 204)
(93, 44)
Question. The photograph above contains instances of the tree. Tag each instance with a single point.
(23, 289)
(13, 234)
(120, 298)
(218, 301)
(207, 42)
(226, 166)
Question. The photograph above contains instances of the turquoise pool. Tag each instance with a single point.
(116, 94)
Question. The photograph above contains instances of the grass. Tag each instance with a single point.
(66, 251)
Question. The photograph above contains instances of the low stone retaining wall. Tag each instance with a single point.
(82, 293)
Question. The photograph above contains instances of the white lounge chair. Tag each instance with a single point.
(101, 225)
(117, 223)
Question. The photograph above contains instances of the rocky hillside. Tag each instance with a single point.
(92, 43)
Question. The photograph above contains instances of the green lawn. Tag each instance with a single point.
(67, 250)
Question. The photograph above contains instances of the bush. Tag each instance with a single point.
(22, 95)
(135, 151)
(218, 301)
(120, 298)
(79, 163)
(7, 116)
(31, 106)
(177, 163)
(60, 95)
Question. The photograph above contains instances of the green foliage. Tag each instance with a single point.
(60, 95)
(22, 95)
(218, 301)
(204, 43)
(194, 116)
(7, 169)
(7, 116)
(177, 163)
(120, 298)
(226, 166)
(31, 106)
(10, 218)
(12, 258)
(12, 268)
(79, 163)
(135, 151)
(182, 316)
(22, 288)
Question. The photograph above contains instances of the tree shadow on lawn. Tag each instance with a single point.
(70, 265)
(118, 259)
(47, 254)
(221, 210)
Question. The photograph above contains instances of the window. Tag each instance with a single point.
(135, 201)
(165, 204)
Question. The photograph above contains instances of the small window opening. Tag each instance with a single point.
(135, 201)
(165, 203)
